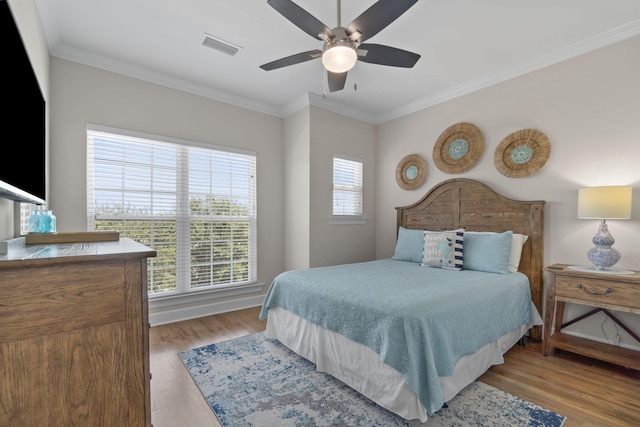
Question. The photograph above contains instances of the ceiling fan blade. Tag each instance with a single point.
(386, 55)
(291, 60)
(300, 17)
(336, 81)
(378, 16)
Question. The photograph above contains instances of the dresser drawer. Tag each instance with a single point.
(43, 301)
(598, 291)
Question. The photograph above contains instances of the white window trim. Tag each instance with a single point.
(347, 220)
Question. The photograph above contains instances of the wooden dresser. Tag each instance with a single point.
(74, 337)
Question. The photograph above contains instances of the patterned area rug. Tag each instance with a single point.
(255, 381)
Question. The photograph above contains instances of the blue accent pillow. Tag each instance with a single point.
(409, 245)
(487, 252)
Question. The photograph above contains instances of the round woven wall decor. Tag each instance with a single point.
(458, 148)
(411, 172)
(522, 153)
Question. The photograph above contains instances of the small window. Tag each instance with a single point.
(347, 186)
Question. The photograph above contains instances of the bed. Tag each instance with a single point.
(410, 334)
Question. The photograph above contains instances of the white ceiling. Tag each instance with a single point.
(464, 45)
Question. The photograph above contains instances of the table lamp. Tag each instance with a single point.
(604, 203)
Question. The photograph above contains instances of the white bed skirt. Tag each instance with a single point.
(361, 368)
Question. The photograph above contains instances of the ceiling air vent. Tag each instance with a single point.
(220, 45)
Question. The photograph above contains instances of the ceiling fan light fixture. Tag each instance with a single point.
(340, 57)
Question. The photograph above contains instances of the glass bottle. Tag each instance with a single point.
(52, 227)
(34, 222)
(45, 222)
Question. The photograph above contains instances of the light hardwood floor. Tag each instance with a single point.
(589, 393)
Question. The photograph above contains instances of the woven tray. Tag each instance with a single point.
(522, 153)
(411, 172)
(458, 148)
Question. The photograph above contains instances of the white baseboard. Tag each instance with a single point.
(164, 315)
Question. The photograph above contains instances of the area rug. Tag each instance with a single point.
(256, 381)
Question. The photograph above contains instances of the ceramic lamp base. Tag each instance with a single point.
(603, 255)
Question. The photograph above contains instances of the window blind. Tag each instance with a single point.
(347, 186)
(194, 205)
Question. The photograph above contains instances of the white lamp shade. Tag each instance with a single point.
(339, 59)
(612, 202)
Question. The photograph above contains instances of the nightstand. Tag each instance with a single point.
(604, 292)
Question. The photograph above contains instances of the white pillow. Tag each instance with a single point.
(517, 242)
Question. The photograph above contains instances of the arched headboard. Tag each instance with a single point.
(472, 205)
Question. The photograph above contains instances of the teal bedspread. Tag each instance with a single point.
(420, 320)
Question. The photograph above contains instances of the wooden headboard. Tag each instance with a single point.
(472, 205)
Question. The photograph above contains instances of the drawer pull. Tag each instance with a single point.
(584, 289)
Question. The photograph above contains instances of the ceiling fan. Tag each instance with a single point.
(343, 47)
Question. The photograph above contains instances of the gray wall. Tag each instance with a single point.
(312, 136)
(297, 187)
(332, 133)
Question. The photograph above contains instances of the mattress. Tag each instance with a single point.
(361, 368)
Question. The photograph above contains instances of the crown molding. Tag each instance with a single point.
(562, 53)
(162, 79)
(321, 101)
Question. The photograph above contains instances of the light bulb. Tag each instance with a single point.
(339, 58)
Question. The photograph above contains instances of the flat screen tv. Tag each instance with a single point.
(22, 168)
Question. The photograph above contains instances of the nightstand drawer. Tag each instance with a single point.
(598, 290)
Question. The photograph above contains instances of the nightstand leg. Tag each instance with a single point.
(550, 304)
(559, 316)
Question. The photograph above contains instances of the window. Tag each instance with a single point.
(347, 186)
(194, 205)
